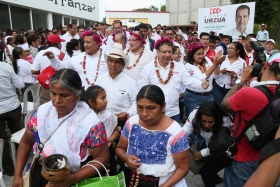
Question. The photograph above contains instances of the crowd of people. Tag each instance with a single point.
(131, 98)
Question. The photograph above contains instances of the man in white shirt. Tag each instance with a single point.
(151, 34)
(121, 90)
(269, 47)
(262, 35)
(139, 55)
(102, 31)
(117, 28)
(89, 64)
(71, 34)
(41, 62)
(121, 39)
(242, 17)
(169, 33)
(169, 76)
(248, 49)
(10, 111)
(143, 29)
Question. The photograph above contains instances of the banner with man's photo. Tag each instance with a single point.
(234, 20)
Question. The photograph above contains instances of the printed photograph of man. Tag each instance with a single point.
(242, 18)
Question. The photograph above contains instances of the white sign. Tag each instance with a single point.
(86, 9)
(233, 20)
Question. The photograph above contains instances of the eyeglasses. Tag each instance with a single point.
(231, 48)
(199, 54)
(166, 52)
(132, 40)
(179, 53)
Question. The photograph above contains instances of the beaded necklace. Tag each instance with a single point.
(97, 68)
(169, 74)
(202, 67)
(137, 60)
(134, 181)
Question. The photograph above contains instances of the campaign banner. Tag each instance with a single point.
(233, 20)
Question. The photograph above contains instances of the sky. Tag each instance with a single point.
(126, 5)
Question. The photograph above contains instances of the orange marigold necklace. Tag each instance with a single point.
(169, 74)
(97, 68)
(202, 67)
(137, 60)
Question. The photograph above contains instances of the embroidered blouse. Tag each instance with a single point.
(95, 137)
(155, 148)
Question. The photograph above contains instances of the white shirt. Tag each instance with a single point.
(110, 42)
(11, 48)
(9, 80)
(267, 54)
(146, 57)
(225, 79)
(195, 72)
(147, 45)
(181, 50)
(121, 93)
(24, 71)
(185, 36)
(173, 88)
(155, 37)
(67, 37)
(250, 56)
(235, 33)
(41, 62)
(67, 58)
(188, 128)
(76, 63)
(262, 35)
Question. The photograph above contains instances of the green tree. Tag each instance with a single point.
(104, 20)
(163, 8)
(148, 9)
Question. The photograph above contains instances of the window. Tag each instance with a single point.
(39, 19)
(4, 17)
(74, 21)
(66, 21)
(57, 20)
(81, 22)
(20, 18)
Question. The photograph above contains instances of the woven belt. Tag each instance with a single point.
(202, 94)
(148, 178)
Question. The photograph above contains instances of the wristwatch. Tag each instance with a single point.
(239, 82)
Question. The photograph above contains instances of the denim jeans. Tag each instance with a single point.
(191, 101)
(237, 174)
(176, 118)
(219, 93)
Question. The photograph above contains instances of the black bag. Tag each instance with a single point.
(222, 146)
(261, 130)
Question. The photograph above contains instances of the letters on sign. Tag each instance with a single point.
(78, 5)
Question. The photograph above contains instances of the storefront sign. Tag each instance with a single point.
(70, 3)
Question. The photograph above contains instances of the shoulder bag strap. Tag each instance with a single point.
(41, 145)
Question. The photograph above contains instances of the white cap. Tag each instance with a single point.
(271, 40)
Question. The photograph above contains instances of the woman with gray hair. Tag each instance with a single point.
(79, 132)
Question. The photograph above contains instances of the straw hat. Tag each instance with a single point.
(117, 52)
(263, 25)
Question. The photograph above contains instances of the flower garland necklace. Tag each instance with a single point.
(169, 74)
(114, 35)
(137, 60)
(202, 67)
(134, 181)
(97, 68)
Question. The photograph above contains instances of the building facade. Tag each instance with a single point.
(34, 14)
(152, 18)
(183, 12)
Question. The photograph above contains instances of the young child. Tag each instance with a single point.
(95, 97)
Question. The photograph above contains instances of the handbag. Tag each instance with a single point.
(107, 181)
(196, 165)
(27, 178)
